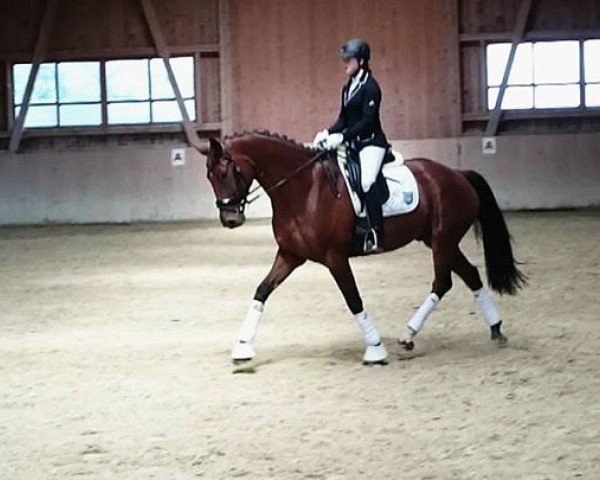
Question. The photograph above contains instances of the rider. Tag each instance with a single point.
(359, 124)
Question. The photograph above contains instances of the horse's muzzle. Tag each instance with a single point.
(232, 219)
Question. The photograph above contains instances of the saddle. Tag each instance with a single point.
(395, 185)
(354, 175)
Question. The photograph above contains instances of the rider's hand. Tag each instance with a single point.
(320, 138)
(334, 141)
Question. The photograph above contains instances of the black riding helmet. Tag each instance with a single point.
(356, 48)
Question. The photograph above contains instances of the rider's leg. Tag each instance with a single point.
(371, 158)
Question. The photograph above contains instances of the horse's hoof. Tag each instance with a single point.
(372, 364)
(375, 355)
(500, 339)
(242, 352)
(497, 335)
(407, 344)
(241, 361)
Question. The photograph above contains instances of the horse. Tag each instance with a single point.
(313, 219)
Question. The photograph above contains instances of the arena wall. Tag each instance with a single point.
(126, 184)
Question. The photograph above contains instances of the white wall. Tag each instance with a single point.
(117, 184)
(137, 183)
(528, 171)
(114, 184)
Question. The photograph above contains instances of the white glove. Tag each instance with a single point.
(320, 138)
(334, 141)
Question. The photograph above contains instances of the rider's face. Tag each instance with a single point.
(351, 65)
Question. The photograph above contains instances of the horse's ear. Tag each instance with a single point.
(203, 148)
(216, 147)
(213, 146)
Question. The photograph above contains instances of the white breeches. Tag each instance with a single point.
(371, 158)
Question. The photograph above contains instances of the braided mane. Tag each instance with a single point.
(273, 136)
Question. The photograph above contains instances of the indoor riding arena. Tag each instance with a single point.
(124, 301)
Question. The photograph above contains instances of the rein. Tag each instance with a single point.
(283, 181)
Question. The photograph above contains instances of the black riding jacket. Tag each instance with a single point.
(359, 115)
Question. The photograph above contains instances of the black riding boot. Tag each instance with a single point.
(373, 242)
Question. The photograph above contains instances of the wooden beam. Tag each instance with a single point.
(455, 63)
(198, 87)
(226, 66)
(112, 53)
(38, 56)
(103, 96)
(535, 114)
(582, 95)
(163, 50)
(8, 97)
(483, 79)
(492, 126)
(534, 35)
(114, 130)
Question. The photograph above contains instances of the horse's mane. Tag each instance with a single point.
(290, 142)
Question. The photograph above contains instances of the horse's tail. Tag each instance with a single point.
(501, 266)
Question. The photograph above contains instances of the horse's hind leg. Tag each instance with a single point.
(470, 275)
(375, 352)
(284, 264)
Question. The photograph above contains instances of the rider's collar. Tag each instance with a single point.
(355, 83)
(359, 76)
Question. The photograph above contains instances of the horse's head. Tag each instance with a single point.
(230, 175)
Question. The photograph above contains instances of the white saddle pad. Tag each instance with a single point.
(404, 192)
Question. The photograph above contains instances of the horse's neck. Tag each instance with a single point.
(274, 161)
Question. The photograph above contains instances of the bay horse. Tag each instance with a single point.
(311, 223)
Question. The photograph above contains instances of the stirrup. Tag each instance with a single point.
(371, 243)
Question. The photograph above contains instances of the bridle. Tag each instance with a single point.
(240, 200)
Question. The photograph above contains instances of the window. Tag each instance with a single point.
(545, 75)
(591, 55)
(69, 94)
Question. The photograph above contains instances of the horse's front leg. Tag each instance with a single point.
(284, 264)
(375, 352)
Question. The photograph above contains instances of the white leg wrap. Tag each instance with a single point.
(250, 325)
(418, 319)
(368, 329)
(484, 301)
